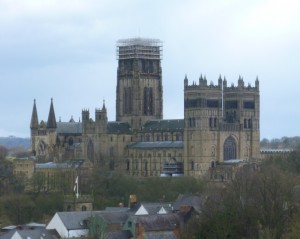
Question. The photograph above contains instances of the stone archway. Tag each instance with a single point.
(230, 149)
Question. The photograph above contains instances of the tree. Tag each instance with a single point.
(255, 204)
(18, 208)
(3, 152)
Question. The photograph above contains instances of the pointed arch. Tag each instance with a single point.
(230, 149)
(90, 150)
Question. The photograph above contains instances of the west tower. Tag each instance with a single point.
(139, 81)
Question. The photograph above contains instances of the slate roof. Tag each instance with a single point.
(160, 235)
(74, 220)
(163, 125)
(114, 217)
(69, 128)
(68, 164)
(125, 234)
(32, 233)
(116, 209)
(38, 234)
(153, 208)
(158, 222)
(156, 144)
(117, 127)
(194, 201)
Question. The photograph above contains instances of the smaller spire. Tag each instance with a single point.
(51, 123)
(71, 120)
(186, 81)
(103, 107)
(34, 124)
(257, 82)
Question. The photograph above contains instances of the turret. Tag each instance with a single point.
(257, 83)
(34, 124)
(51, 123)
(240, 82)
(186, 81)
(85, 115)
(101, 119)
(220, 82)
(224, 83)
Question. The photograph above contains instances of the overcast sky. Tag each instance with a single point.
(66, 50)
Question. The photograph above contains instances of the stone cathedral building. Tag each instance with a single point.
(221, 123)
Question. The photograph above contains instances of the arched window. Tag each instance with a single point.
(83, 208)
(192, 165)
(245, 123)
(230, 148)
(71, 141)
(128, 165)
(154, 164)
(90, 150)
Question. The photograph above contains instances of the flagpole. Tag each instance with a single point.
(77, 188)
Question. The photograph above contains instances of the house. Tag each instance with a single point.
(70, 224)
(29, 231)
(154, 226)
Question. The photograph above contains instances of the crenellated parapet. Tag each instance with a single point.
(240, 86)
(202, 84)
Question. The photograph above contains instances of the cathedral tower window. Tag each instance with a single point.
(230, 149)
(90, 150)
(148, 101)
(193, 165)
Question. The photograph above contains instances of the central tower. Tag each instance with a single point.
(139, 81)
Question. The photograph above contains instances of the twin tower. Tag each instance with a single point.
(221, 122)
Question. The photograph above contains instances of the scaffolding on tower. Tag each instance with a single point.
(139, 48)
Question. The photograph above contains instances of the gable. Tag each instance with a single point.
(57, 224)
(141, 211)
(162, 210)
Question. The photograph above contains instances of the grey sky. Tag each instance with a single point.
(67, 50)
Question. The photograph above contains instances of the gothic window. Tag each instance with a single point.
(215, 122)
(158, 137)
(166, 137)
(154, 164)
(245, 123)
(230, 148)
(249, 123)
(127, 165)
(210, 122)
(90, 150)
(192, 165)
(146, 165)
(71, 141)
(148, 101)
(136, 164)
(127, 107)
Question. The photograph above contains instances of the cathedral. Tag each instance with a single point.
(221, 123)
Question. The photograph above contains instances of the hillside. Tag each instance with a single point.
(12, 142)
